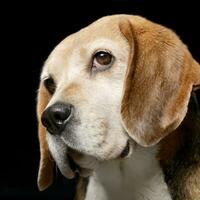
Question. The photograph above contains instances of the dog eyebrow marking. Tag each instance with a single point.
(72, 90)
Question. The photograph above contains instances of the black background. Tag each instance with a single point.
(30, 31)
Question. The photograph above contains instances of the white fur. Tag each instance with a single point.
(97, 130)
(97, 103)
(136, 178)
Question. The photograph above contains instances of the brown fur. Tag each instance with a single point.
(169, 146)
(81, 189)
(179, 156)
(45, 176)
(159, 79)
(158, 83)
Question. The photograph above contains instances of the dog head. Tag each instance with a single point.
(121, 77)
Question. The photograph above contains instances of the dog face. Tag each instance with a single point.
(88, 74)
(121, 77)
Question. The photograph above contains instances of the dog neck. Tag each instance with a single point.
(137, 177)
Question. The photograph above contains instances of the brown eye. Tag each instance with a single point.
(102, 60)
(50, 85)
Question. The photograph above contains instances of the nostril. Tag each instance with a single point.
(61, 114)
(59, 117)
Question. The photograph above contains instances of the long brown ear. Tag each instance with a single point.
(159, 79)
(197, 73)
(45, 174)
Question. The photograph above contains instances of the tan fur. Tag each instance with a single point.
(158, 74)
(72, 90)
(159, 79)
(179, 156)
(81, 189)
(191, 183)
(45, 176)
(187, 179)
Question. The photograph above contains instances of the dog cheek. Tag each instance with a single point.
(59, 152)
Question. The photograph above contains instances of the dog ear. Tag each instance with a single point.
(45, 174)
(160, 76)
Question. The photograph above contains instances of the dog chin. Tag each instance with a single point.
(83, 164)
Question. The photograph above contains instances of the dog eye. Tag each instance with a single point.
(102, 60)
(50, 85)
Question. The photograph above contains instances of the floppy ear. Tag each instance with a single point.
(160, 76)
(45, 174)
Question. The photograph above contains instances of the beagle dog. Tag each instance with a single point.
(117, 106)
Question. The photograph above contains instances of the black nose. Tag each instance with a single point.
(55, 117)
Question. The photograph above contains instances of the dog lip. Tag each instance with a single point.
(74, 167)
(125, 151)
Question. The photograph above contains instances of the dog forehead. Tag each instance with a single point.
(106, 27)
(104, 31)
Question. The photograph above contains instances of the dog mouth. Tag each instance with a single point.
(126, 151)
(80, 171)
(81, 165)
(75, 167)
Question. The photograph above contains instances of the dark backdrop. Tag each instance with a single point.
(30, 32)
